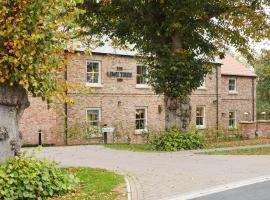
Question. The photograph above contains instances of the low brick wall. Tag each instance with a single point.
(263, 128)
(248, 129)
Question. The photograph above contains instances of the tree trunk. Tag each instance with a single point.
(13, 101)
(178, 110)
(178, 113)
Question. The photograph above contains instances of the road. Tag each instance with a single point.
(257, 191)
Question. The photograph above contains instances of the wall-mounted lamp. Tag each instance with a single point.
(264, 115)
(247, 116)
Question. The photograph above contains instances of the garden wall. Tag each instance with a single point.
(260, 128)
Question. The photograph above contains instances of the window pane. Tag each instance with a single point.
(199, 111)
(140, 119)
(92, 77)
(94, 123)
(231, 84)
(200, 116)
(232, 119)
(140, 113)
(141, 75)
(92, 73)
(92, 115)
(139, 70)
(137, 124)
(92, 67)
(142, 124)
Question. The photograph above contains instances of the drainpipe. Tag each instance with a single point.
(217, 91)
(65, 109)
(253, 99)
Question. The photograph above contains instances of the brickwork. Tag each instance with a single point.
(208, 98)
(241, 102)
(263, 128)
(39, 117)
(248, 129)
(118, 99)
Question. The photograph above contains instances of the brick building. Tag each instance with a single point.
(123, 100)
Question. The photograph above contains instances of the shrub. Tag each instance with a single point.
(173, 140)
(27, 177)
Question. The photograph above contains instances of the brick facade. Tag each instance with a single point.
(118, 98)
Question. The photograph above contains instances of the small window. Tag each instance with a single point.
(141, 121)
(232, 85)
(232, 119)
(141, 75)
(202, 86)
(93, 75)
(93, 119)
(200, 116)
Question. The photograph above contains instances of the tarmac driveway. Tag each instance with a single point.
(155, 176)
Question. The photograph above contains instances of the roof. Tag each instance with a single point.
(231, 66)
(106, 48)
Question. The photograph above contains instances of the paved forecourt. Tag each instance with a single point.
(155, 176)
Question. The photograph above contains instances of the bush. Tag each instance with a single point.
(27, 177)
(174, 140)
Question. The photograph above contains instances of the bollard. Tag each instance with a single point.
(39, 138)
(105, 136)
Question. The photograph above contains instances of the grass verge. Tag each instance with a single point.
(209, 145)
(251, 151)
(96, 184)
(131, 147)
(222, 144)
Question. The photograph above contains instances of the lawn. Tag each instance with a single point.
(96, 184)
(251, 151)
(209, 145)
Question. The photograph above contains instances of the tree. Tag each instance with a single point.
(178, 40)
(33, 36)
(262, 67)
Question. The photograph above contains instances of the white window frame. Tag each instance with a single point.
(139, 131)
(203, 84)
(141, 85)
(98, 84)
(235, 85)
(99, 119)
(204, 120)
(232, 127)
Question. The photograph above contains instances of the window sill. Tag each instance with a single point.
(94, 85)
(142, 86)
(202, 88)
(140, 131)
(201, 127)
(233, 92)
